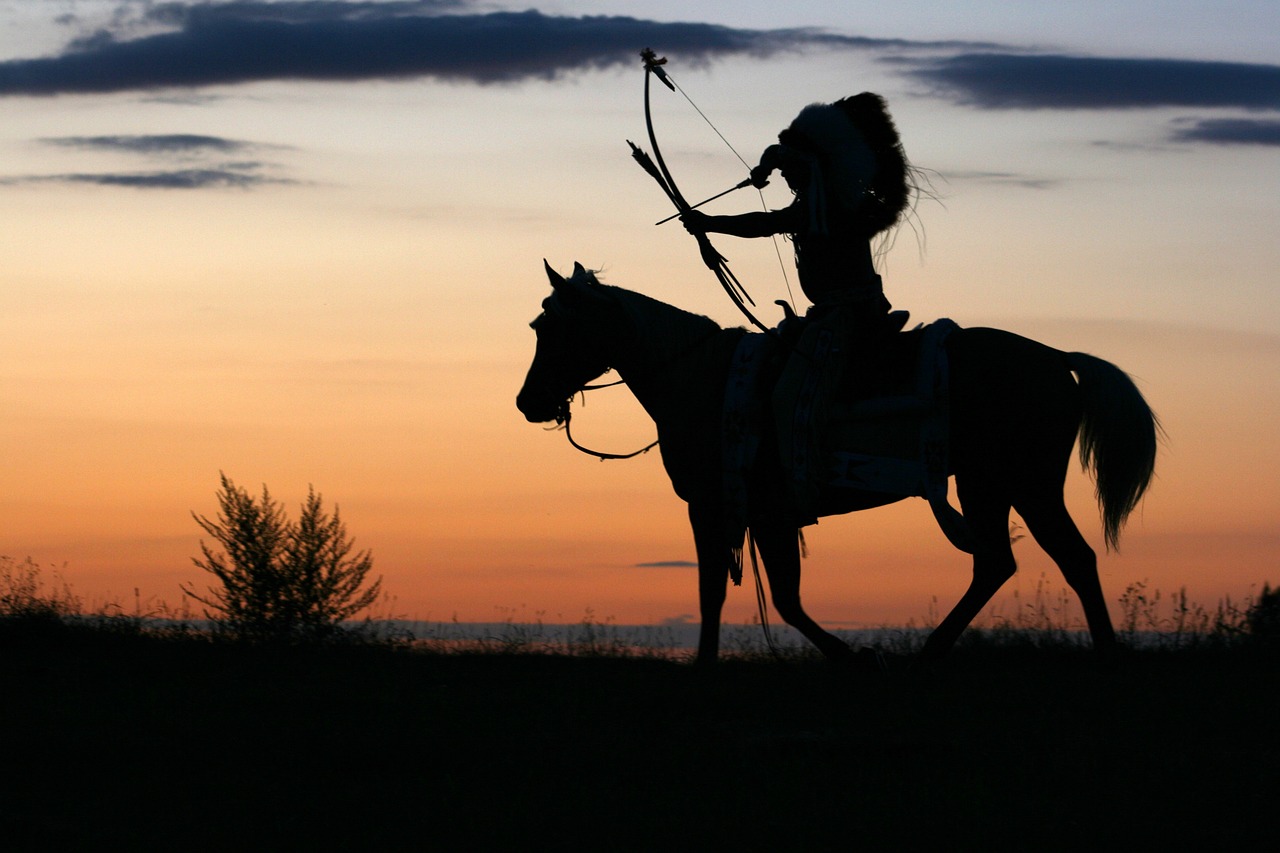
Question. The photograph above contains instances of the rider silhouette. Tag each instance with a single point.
(852, 181)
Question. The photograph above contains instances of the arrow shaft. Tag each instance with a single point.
(745, 183)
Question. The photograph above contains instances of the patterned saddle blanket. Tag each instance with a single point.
(887, 430)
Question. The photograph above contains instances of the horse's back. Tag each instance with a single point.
(980, 353)
(1010, 396)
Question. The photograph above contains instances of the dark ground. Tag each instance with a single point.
(123, 742)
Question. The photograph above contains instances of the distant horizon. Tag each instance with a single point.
(1150, 610)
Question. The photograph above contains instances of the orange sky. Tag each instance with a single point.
(363, 328)
(473, 513)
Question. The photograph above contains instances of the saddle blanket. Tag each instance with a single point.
(895, 442)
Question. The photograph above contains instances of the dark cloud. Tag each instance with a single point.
(173, 143)
(203, 158)
(238, 177)
(667, 564)
(1231, 131)
(1008, 81)
(184, 46)
(1020, 81)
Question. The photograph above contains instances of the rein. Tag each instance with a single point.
(565, 416)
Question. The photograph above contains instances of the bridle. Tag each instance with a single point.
(565, 416)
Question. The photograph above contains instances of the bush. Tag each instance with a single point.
(1263, 618)
(280, 580)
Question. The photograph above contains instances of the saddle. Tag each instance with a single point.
(886, 429)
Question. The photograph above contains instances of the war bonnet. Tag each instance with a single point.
(860, 154)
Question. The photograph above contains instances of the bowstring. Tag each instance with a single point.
(782, 265)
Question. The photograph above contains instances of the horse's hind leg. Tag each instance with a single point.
(1054, 530)
(987, 512)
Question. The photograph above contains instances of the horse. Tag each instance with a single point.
(1015, 414)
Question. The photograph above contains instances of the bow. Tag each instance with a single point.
(660, 173)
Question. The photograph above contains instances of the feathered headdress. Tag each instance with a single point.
(860, 155)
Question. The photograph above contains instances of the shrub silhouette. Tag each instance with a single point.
(23, 594)
(280, 580)
(1263, 618)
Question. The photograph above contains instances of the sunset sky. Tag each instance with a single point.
(301, 242)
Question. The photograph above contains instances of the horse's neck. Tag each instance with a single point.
(669, 356)
(652, 335)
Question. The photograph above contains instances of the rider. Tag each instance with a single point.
(852, 181)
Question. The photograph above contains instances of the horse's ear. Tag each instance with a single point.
(556, 279)
(578, 269)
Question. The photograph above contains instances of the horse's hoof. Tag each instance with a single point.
(864, 660)
(871, 660)
(925, 665)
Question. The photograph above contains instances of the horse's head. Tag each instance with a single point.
(571, 345)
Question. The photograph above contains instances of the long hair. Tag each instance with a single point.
(890, 189)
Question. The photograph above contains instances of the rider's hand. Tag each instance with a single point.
(770, 160)
(694, 221)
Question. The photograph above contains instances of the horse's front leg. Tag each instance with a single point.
(780, 549)
(714, 554)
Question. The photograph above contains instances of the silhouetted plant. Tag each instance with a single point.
(23, 594)
(1139, 611)
(1263, 617)
(278, 579)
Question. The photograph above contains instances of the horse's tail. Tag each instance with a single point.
(1118, 438)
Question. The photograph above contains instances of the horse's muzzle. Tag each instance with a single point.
(537, 411)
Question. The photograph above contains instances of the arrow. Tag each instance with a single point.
(743, 185)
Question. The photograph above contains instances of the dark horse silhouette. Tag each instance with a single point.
(1015, 415)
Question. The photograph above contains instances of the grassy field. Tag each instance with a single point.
(120, 739)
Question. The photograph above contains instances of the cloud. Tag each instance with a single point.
(1230, 131)
(173, 143)
(177, 179)
(668, 564)
(195, 152)
(1011, 179)
(1020, 81)
(174, 45)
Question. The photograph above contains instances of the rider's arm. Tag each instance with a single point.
(756, 224)
(789, 220)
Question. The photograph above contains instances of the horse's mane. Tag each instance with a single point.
(656, 320)
(651, 319)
